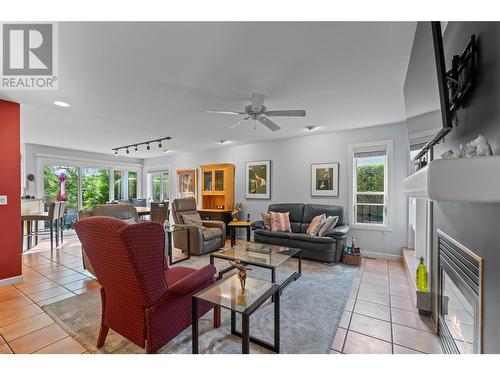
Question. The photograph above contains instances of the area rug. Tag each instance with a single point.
(311, 308)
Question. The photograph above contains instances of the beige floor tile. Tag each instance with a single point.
(4, 349)
(67, 345)
(402, 350)
(30, 289)
(373, 310)
(403, 303)
(338, 341)
(371, 327)
(69, 279)
(88, 284)
(55, 299)
(415, 339)
(25, 326)
(375, 297)
(344, 321)
(14, 304)
(21, 313)
(48, 293)
(349, 306)
(38, 339)
(411, 319)
(356, 343)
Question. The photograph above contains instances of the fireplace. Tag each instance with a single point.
(460, 297)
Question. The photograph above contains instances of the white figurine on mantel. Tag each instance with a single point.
(482, 146)
(477, 147)
(448, 154)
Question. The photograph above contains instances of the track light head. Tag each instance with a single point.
(136, 149)
(148, 148)
(116, 152)
(128, 152)
(159, 144)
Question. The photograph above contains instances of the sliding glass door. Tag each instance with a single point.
(158, 186)
(52, 181)
(87, 187)
(95, 187)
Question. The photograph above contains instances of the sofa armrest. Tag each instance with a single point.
(192, 282)
(195, 234)
(258, 225)
(339, 231)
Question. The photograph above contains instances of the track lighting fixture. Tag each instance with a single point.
(136, 145)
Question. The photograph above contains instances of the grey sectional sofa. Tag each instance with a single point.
(324, 249)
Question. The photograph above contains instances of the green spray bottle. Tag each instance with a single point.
(422, 283)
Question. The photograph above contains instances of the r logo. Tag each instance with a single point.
(27, 50)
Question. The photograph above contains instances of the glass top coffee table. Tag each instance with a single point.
(226, 293)
(260, 255)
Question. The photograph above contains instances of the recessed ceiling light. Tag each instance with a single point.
(166, 151)
(311, 128)
(61, 104)
(223, 141)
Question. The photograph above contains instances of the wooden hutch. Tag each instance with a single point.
(217, 191)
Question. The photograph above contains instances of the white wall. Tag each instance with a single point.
(32, 152)
(291, 168)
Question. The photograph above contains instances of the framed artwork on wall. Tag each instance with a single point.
(187, 183)
(258, 179)
(325, 180)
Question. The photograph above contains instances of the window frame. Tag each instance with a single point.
(388, 146)
(149, 174)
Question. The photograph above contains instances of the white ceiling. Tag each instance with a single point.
(130, 82)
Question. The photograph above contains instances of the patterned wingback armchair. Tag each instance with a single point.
(122, 211)
(142, 299)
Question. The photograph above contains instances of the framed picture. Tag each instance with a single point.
(325, 180)
(258, 179)
(187, 183)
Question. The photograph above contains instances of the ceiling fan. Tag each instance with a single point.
(258, 112)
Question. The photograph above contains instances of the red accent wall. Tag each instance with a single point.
(10, 185)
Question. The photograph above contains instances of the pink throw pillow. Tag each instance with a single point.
(280, 222)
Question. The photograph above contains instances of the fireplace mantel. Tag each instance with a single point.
(459, 180)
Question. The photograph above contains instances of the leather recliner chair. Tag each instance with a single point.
(204, 238)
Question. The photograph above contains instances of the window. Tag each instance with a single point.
(370, 185)
(132, 185)
(118, 185)
(158, 186)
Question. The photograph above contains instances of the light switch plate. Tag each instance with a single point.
(3, 200)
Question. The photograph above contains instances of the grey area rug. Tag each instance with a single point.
(311, 308)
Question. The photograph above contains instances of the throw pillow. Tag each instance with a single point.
(316, 225)
(192, 219)
(280, 222)
(266, 218)
(328, 226)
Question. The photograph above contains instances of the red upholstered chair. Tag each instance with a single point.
(142, 299)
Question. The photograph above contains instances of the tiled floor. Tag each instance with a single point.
(380, 315)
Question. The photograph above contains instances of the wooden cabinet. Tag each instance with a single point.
(217, 187)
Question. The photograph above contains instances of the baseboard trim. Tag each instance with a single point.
(373, 254)
(11, 280)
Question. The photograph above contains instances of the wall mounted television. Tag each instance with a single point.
(425, 89)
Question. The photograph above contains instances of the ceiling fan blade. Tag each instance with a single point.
(269, 124)
(290, 112)
(226, 112)
(235, 125)
(257, 101)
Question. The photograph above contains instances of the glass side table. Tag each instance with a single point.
(226, 293)
(170, 243)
